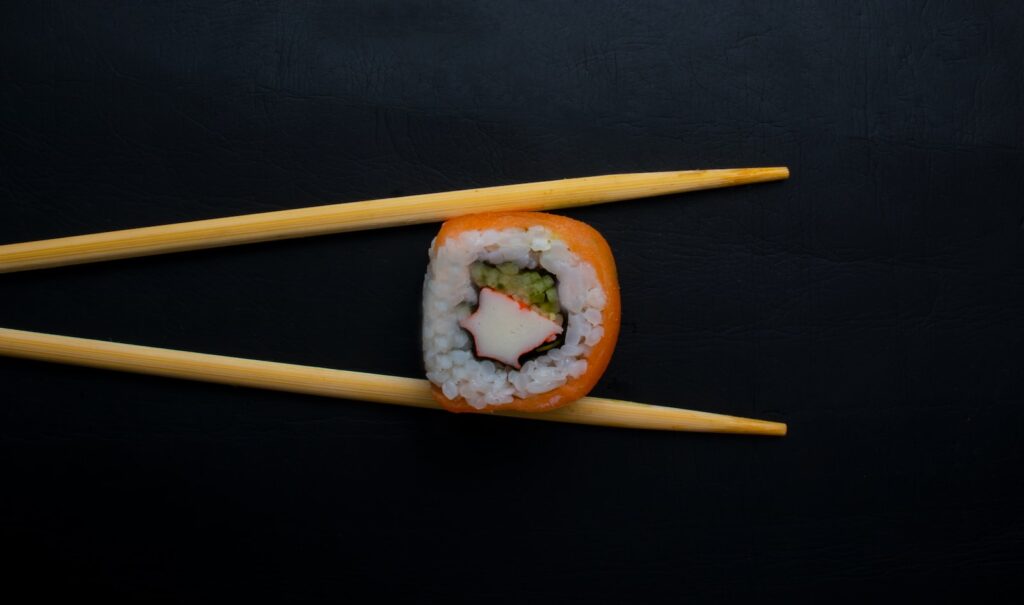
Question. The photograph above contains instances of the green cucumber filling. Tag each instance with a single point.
(535, 288)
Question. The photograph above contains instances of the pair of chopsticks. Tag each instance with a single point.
(336, 218)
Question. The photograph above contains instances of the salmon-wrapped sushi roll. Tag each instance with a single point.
(520, 311)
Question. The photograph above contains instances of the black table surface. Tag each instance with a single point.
(873, 301)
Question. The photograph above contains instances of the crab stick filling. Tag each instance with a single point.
(504, 329)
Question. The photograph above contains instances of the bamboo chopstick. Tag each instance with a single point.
(347, 385)
(354, 216)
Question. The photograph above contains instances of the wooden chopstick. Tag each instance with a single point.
(354, 216)
(348, 385)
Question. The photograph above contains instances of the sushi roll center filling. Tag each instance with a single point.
(518, 313)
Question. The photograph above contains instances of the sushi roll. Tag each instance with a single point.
(520, 312)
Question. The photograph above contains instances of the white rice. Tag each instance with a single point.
(448, 296)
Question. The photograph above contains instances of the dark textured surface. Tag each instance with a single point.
(874, 301)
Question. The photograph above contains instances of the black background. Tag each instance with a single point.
(873, 301)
